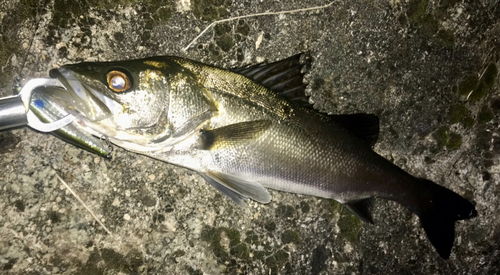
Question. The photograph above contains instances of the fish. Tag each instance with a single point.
(246, 130)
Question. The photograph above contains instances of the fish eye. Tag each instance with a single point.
(118, 81)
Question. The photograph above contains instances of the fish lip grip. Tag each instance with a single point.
(15, 111)
(12, 112)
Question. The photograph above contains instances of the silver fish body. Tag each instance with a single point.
(243, 137)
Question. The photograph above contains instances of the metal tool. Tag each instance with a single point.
(15, 111)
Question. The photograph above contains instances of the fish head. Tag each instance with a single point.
(123, 100)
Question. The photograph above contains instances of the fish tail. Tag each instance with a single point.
(438, 212)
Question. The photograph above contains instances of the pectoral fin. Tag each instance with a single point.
(237, 189)
(361, 209)
(233, 134)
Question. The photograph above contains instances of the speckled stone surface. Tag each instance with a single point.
(428, 69)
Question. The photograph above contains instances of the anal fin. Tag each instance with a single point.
(361, 209)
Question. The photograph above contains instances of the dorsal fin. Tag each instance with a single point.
(364, 126)
(284, 77)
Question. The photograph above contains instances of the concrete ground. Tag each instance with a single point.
(428, 69)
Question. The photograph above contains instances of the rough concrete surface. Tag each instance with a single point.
(428, 69)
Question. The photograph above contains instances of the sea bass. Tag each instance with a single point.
(248, 129)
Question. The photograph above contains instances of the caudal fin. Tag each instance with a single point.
(438, 213)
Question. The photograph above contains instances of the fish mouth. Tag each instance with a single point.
(81, 99)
